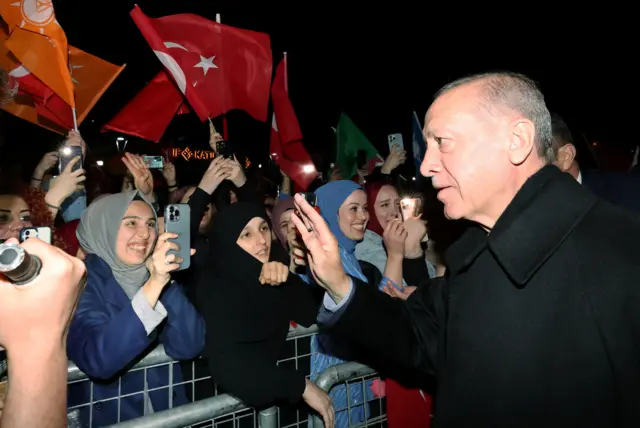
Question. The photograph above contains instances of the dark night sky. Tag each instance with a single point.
(376, 70)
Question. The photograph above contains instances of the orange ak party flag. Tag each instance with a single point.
(39, 43)
(91, 75)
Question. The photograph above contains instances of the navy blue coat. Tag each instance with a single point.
(106, 338)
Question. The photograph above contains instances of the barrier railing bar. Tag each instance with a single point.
(188, 414)
(224, 404)
(336, 374)
(157, 356)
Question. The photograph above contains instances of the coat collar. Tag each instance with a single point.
(540, 217)
(100, 275)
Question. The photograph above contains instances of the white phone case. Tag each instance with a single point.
(42, 233)
(395, 139)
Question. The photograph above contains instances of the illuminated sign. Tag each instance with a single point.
(188, 154)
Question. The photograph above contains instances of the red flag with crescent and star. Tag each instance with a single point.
(286, 147)
(217, 67)
(150, 112)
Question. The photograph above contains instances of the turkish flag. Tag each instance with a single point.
(150, 112)
(218, 68)
(39, 43)
(286, 145)
(45, 102)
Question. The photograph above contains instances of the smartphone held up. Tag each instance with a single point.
(68, 154)
(153, 162)
(42, 233)
(225, 149)
(177, 219)
(312, 200)
(410, 208)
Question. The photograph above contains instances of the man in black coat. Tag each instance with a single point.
(537, 322)
(619, 188)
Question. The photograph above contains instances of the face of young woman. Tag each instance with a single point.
(14, 215)
(255, 239)
(137, 234)
(353, 215)
(386, 205)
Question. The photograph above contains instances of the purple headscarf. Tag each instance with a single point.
(281, 206)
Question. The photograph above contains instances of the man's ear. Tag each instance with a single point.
(522, 141)
(565, 157)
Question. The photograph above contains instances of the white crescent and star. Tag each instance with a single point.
(174, 68)
(205, 64)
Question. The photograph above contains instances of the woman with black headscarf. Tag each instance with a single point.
(248, 303)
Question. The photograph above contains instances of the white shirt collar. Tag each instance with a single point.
(579, 178)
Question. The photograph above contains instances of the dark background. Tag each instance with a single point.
(377, 64)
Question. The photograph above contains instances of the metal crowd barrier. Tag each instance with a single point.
(215, 407)
(353, 375)
(201, 391)
(209, 407)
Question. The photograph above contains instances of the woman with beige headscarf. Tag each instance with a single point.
(129, 305)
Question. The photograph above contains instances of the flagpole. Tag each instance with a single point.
(225, 130)
(75, 119)
(286, 73)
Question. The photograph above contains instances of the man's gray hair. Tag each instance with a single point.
(518, 93)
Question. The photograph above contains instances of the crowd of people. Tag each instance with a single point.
(528, 319)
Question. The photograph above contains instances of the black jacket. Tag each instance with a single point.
(536, 324)
(247, 322)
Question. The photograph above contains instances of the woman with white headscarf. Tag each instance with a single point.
(129, 304)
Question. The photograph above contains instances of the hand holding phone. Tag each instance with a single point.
(68, 154)
(312, 200)
(153, 162)
(410, 208)
(396, 142)
(224, 148)
(177, 219)
(42, 233)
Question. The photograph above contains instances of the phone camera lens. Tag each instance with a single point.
(177, 213)
(171, 217)
(171, 209)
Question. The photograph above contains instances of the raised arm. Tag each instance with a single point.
(34, 319)
(405, 333)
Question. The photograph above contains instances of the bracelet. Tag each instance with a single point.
(35, 179)
(52, 206)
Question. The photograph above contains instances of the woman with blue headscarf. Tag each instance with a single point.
(343, 205)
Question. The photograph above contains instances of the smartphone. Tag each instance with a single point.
(42, 233)
(395, 140)
(410, 208)
(177, 219)
(153, 162)
(224, 149)
(67, 154)
(312, 200)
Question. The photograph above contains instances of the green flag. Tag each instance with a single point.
(349, 140)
